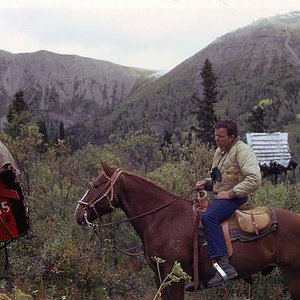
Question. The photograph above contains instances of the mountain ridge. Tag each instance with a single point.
(257, 61)
(64, 87)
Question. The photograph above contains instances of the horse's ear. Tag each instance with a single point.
(106, 168)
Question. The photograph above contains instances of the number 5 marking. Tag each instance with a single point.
(4, 207)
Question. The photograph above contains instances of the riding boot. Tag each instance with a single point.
(191, 287)
(225, 271)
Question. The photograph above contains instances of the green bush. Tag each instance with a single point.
(60, 260)
(271, 195)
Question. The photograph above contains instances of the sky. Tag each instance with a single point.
(150, 34)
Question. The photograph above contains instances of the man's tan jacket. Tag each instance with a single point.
(239, 169)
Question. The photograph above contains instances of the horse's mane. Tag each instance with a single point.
(149, 181)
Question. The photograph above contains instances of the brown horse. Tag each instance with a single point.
(165, 225)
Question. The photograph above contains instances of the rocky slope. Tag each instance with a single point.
(65, 88)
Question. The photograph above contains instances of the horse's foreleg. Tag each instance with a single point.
(175, 291)
(293, 283)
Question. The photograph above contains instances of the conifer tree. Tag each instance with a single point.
(256, 119)
(19, 104)
(62, 134)
(43, 130)
(205, 110)
(18, 115)
(166, 146)
(42, 127)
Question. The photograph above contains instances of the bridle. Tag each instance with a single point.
(113, 179)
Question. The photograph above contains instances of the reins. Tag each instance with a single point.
(105, 225)
(112, 181)
(107, 239)
(110, 197)
(140, 215)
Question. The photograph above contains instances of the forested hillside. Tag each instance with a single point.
(255, 65)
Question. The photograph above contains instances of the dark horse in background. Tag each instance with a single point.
(165, 225)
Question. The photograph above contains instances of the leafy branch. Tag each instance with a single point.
(176, 275)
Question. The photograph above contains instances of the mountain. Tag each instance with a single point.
(66, 88)
(259, 63)
(256, 64)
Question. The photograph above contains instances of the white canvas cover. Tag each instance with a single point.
(7, 161)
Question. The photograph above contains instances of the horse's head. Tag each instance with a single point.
(100, 198)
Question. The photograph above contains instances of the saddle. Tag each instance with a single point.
(254, 221)
(248, 225)
(250, 221)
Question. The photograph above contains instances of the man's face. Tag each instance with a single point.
(222, 138)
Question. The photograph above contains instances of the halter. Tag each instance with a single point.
(113, 179)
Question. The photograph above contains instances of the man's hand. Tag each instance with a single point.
(225, 195)
(200, 185)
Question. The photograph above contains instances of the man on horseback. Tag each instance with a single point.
(235, 174)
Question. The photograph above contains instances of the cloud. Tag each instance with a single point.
(154, 34)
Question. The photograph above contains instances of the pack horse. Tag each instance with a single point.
(165, 223)
(14, 219)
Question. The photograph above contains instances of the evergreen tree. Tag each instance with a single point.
(19, 104)
(166, 146)
(205, 111)
(43, 130)
(256, 119)
(62, 134)
(45, 136)
(17, 115)
(10, 114)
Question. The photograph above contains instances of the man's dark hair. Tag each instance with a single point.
(230, 125)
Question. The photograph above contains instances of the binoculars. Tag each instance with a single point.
(215, 175)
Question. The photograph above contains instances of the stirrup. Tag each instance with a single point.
(221, 271)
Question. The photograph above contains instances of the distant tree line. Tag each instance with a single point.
(19, 115)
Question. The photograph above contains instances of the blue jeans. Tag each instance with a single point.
(218, 211)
